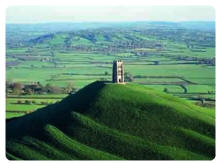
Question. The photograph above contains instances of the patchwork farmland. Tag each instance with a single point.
(172, 63)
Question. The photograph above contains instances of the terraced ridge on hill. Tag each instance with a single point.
(105, 121)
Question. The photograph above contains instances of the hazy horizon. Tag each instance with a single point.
(105, 14)
(102, 22)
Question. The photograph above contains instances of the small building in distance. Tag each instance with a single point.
(118, 72)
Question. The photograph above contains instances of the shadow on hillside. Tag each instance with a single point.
(56, 114)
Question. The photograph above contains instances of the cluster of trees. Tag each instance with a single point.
(128, 77)
(19, 88)
(207, 61)
(29, 102)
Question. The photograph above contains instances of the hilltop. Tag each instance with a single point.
(114, 121)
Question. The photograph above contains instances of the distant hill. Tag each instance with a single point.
(199, 25)
(122, 39)
(17, 34)
(106, 121)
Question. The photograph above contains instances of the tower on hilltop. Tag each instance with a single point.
(118, 72)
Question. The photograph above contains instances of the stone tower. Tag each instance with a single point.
(117, 72)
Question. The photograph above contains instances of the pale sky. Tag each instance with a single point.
(42, 14)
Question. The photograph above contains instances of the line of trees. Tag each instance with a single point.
(19, 88)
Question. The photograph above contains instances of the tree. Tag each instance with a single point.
(27, 102)
(165, 90)
(52, 89)
(70, 88)
(19, 102)
(7, 87)
(28, 91)
(47, 88)
(33, 102)
(156, 62)
(202, 100)
(17, 88)
(128, 77)
(106, 72)
(55, 89)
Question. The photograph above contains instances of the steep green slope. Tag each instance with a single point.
(111, 121)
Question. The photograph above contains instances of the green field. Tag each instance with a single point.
(18, 105)
(82, 69)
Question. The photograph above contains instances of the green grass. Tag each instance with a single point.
(182, 70)
(171, 88)
(114, 121)
(200, 88)
(21, 107)
(157, 80)
(16, 50)
(13, 109)
(209, 52)
(13, 115)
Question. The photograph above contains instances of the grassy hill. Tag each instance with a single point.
(135, 39)
(109, 121)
